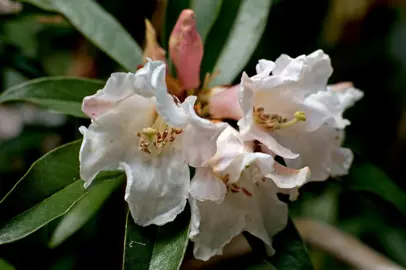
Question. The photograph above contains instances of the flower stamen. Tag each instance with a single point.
(274, 122)
(154, 139)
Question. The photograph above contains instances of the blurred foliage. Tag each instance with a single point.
(364, 41)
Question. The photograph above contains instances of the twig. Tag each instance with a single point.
(342, 246)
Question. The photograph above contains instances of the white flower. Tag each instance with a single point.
(139, 128)
(235, 193)
(295, 115)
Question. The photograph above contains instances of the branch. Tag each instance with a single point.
(342, 246)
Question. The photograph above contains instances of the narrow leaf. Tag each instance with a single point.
(85, 208)
(206, 14)
(290, 251)
(48, 175)
(367, 177)
(45, 192)
(155, 247)
(245, 34)
(99, 27)
(60, 94)
(41, 214)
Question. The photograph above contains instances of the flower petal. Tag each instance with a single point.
(120, 86)
(288, 178)
(167, 105)
(108, 138)
(264, 67)
(218, 224)
(319, 70)
(206, 186)
(271, 216)
(215, 225)
(342, 159)
(157, 187)
(263, 136)
(200, 135)
(316, 151)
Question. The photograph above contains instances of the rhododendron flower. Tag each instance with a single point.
(139, 128)
(295, 115)
(237, 191)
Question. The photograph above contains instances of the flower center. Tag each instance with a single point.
(274, 122)
(154, 139)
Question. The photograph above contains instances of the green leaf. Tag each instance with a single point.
(156, 247)
(245, 34)
(290, 251)
(41, 214)
(48, 175)
(99, 27)
(61, 94)
(85, 208)
(36, 192)
(206, 14)
(5, 265)
(367, 177)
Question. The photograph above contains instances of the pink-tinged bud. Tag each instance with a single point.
(186, 49)
(152, 48)
(223, 103)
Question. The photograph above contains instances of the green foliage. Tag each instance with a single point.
(85, 208)
(60, 94)
(244, 36)
(369, 178)
(99, 27)
(155, 247)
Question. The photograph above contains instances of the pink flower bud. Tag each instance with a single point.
(223, 102)
(186, 49)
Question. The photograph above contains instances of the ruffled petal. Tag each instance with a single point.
(120, 86)
(263, 136)
(271, 215)
(157, 188)
(200, 135)
(316, 150)
(206, 186)
(288, 178)
(342, 159)
(347, 95)
(264, 67)
(215, 225)
(329, 104)
(319, 70)
(168, 106)
(108, 139)
(218, 224)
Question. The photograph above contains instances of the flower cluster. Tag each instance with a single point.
(155, 134)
